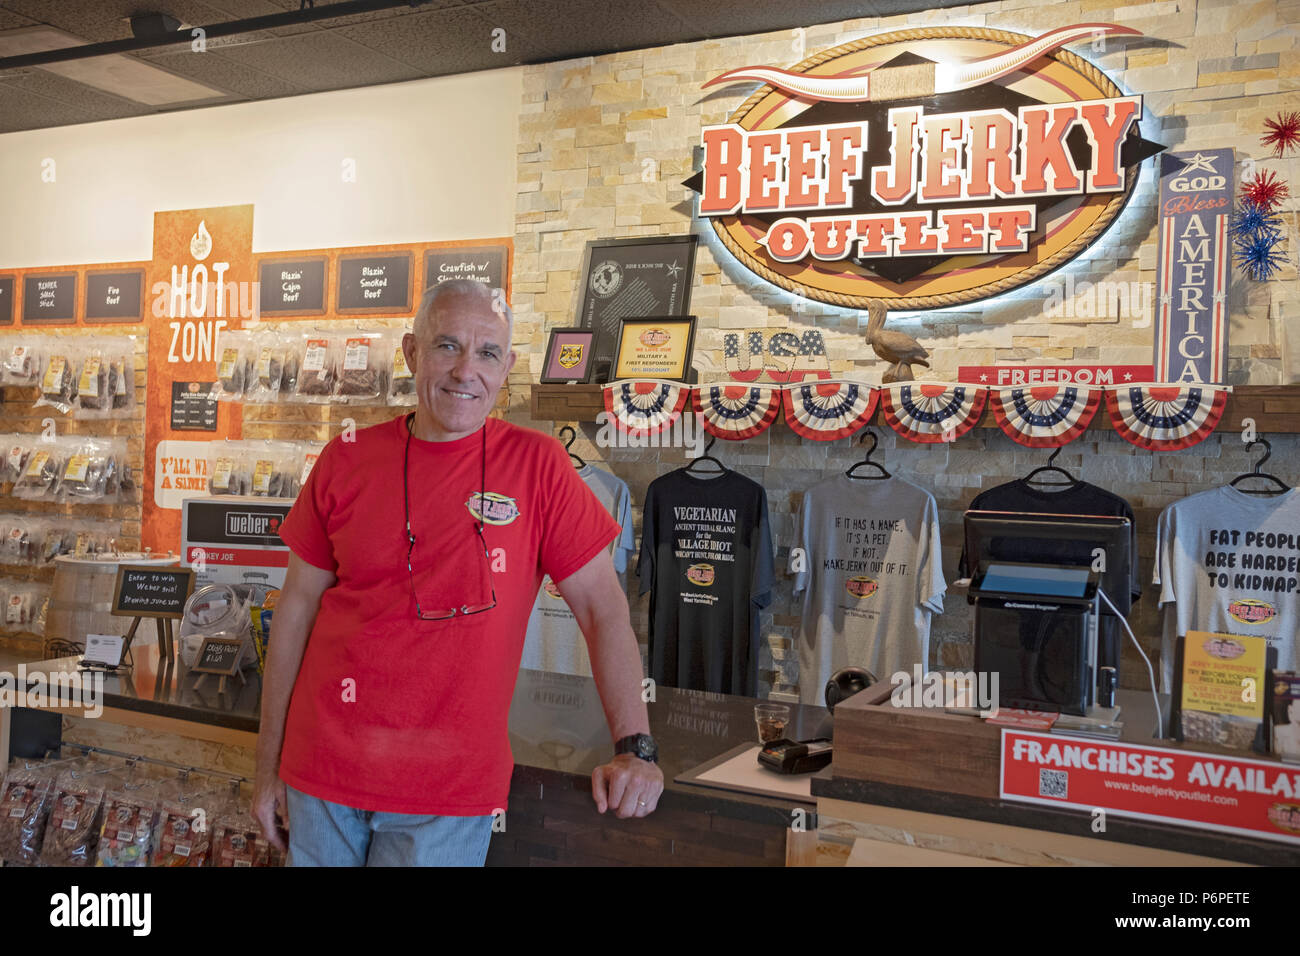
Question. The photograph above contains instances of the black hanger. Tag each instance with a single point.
(1070, 480)
(721, 469)
(568, 445)
(866, 459)
(1279, 486)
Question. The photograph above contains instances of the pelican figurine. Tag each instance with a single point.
(900, 350)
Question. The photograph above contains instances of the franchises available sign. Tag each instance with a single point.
(927, 168)
(1256, 798)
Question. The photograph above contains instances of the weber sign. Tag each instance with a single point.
(927, 168)
(235, 540)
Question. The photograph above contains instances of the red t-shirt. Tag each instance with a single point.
(397, 714)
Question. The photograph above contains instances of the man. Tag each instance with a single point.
(417, 550)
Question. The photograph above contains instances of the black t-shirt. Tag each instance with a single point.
(706, 559)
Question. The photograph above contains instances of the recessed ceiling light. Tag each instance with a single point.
(116, 73)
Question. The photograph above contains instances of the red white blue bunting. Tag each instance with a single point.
(645, 407)
(932, 412)
(1166, 417)
(827, 410)
(1046, 416)
(735, 412)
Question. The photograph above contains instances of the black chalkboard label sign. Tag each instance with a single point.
(144, 591)
(114, 296)
(50, 298)
(379, 282)
(193, 407)
(293, 286)
(6, 300)
(218, 655)
(486, 264)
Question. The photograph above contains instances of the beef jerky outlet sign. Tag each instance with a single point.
(928, 168)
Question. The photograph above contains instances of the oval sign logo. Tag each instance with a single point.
(497, 509)
(701, 574)
(861, 587)
(1250, 611)
(654, 338)
(925, 168)
(1224, 648)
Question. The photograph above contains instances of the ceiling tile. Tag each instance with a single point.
(572, 28)
(20, 109)
(436, 42)
(216, 70)
(320, 61)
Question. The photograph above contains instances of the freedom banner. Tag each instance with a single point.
(1192, 267)
(1257, 798)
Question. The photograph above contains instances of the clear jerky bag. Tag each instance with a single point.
(45, 464)
(309, 453)
(182, 833)
(271, 350)
(127, 828)
(237, 840)
(401, 379)
(21, 539)
(275, 468)
(21, 363)
(91, 471)
(365, 367)
(318, 369)
(26, 796)
(106, 381)
(73, 828)
(58, 379)
(18, 448)
(229, 470)
(236, 357)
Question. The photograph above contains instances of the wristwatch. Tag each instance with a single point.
(638, 745)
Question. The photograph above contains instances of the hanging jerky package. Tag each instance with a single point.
(25, 799)
(40, 475)
(236, 357)
(318, 369)
(18, 448)
(275, 468)
(269, 367)
(58, 380)
(310, 452)
(229, 470)
(182, 834)
(22, 363)
(92, 380)
(401, 379)
(21, 538)
(365, 368)
(237, 841)
(106, 381)
(126, 833)
(90, 473)
(73, 828)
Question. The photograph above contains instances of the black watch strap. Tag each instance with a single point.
(638, 745)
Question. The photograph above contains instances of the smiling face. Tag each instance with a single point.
(460, 354)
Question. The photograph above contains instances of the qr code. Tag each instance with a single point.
(1053, 783)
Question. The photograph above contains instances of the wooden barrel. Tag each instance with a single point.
(82, 595)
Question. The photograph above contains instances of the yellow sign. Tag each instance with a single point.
(1224, 674)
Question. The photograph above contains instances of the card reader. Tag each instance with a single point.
(795, 756)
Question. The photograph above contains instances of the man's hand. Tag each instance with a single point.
(269, 799)
(628, 784)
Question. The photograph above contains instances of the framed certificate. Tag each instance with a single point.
(645, 275)
(654, 348)
(568, 357)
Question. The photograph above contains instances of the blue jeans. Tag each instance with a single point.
(322, 833)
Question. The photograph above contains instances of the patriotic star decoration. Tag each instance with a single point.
(1128, 376)
(1251, 221)
(1283, 133)
(1265, 190)
(1199, 162)
(732, 349)
(674, 269)
(1258, 256)
(984, 377)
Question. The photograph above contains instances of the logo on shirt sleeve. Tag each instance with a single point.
(549, 587)
(1250, 611)
(861, 587)
(701, 574)
(497, 509)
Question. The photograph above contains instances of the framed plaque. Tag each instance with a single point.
(654, 348)
(568, 357)
(293, 286)
(114, 295)
(375, 282)
(50, 298)
(7, 300)
(625, 278)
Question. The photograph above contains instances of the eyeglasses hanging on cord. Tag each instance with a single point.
(694, 470)
(1051, 468)
(1279, 486)
(568, 446)
(867, 460)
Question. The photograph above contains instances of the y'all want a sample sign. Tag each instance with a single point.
(1192, 266)
(927, 168)
(1255, 798)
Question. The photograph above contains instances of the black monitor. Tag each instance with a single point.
(1070, 540)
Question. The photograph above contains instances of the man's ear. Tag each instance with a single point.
(409, 351)
(510, 360)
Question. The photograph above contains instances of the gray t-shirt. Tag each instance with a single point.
(554, 641)
(871, 577)
(1229, 563)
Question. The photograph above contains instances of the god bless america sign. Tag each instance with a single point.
(927, 168)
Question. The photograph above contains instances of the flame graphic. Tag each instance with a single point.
(201, 242)
(947, 77)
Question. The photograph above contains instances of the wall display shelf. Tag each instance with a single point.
(1275, 408)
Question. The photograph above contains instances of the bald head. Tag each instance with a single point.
(461, 293)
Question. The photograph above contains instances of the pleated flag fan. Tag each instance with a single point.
(828, 409)
(645, 407)
(932, 412)
(734, 412)
(1166, 416)
(1045, 416)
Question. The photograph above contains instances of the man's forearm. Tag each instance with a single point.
(291, 625)
(616, 666)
